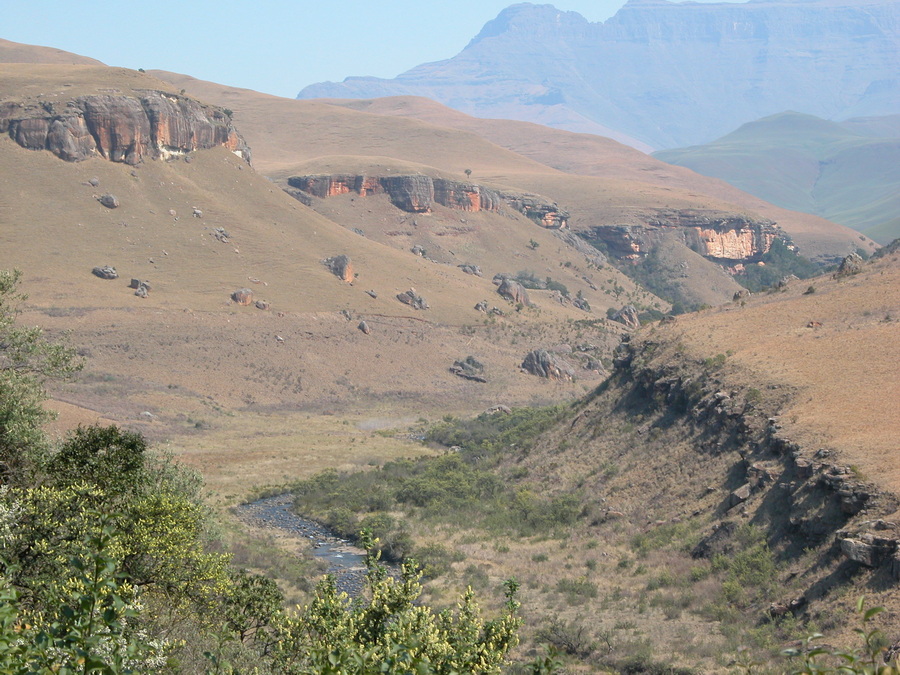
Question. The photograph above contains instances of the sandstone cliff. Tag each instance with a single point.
(416, 193)
(121, 128)
(720, 237)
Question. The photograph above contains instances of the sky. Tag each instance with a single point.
(273, 46)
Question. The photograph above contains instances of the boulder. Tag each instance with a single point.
(542, 363)
(372, 294)
(482, 306)
(109, 201)
(142, 291)
(364, 327)
(850, 265)
(627, 315)
(471, 269)
(262, 304)
(242, 296)
(341, 267)
(740, 495)
(412, 299)
(514, 292)
(418, 250)
(498, 410)
(105, 272)
(469, 368)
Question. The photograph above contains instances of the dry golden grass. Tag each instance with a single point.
(844, 371)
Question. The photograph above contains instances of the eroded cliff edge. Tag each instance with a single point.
(121, 128)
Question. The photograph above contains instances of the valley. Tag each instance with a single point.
(511, 351)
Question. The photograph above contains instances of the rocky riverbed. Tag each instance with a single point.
(345, 561)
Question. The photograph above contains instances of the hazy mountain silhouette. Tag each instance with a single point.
(665, 74)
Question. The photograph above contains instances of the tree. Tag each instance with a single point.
(468, 173)
(389, 633)
(27, 360)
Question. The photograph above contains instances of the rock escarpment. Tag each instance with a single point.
(720, 237)
(809, 500)
(121, 128)
(418, 193)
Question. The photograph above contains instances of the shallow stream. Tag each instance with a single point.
(345, 561)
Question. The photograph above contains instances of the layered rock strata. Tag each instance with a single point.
(720, 237)
(417, 193)
(122, 128)
(819, 501)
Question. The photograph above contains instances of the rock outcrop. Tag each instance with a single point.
(412, 299)
(542, 363)
(341, 266)
(469, 368)
(720, 237)
(850, 265)
(628, 315)
(105, 272)
(122, 128)
(242, 296)
(417, 193)
(413, 193)
(513, 291)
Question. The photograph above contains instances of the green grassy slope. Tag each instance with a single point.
(847, 173)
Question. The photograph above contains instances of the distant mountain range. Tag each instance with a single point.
(660, 74)
(848, 173)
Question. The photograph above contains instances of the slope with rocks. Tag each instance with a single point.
(736, 483)
(629, 189)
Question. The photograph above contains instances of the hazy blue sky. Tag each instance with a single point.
(274, 46)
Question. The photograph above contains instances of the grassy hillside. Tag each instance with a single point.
(621, 514)
(800, 162)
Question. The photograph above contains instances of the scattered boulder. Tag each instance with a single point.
(147, 415)
(105, 272)
(740, 295)
(341, 267)
(627, 315)
(542, 363)
(471, 269)
(109, 201)
(581, 304)
(173, 213)
(740, 495)
(498, 410)
(482, 306)
(94, 182)
(142, 291)
(514, 292)
(262, 304)
(469, 368)
(418, 250)
(242, 296)
(372, 294)
(364, 327)
(220, 234)
(137, 283)
(412, 299)
(197, 213)
(850, 265)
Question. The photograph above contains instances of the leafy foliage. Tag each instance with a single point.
(390, 633)
(780, 261)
